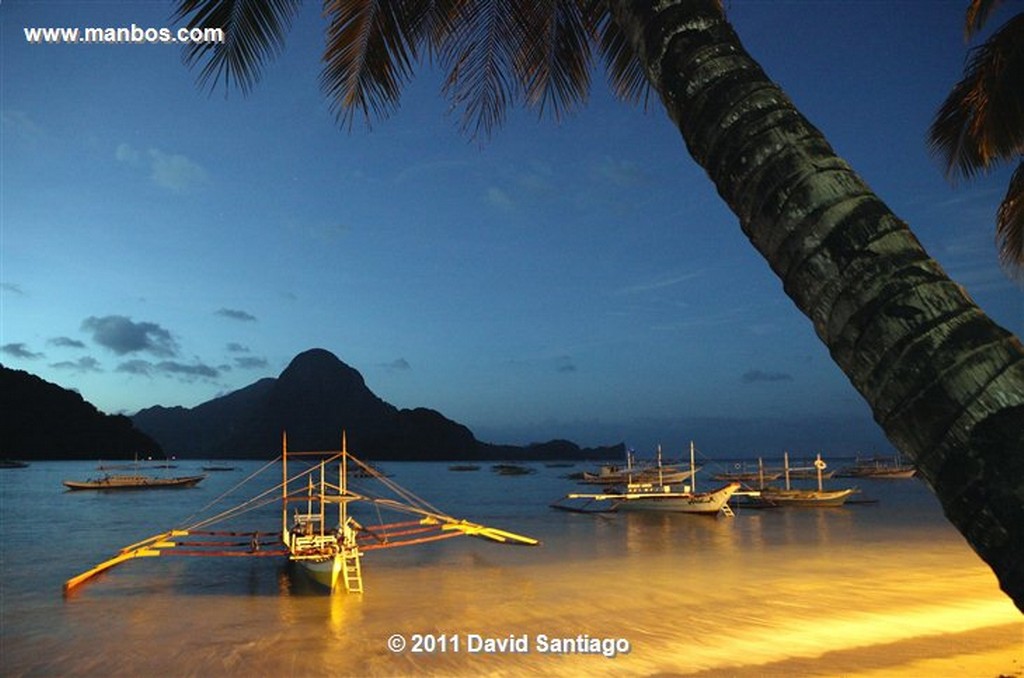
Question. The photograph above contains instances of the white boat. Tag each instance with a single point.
(318, 534)
(658, 496)
(610, 474)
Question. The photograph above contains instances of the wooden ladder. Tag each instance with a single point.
(727, 511)
(352, 571)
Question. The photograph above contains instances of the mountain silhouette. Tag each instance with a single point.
(41, 420)
(316, 398)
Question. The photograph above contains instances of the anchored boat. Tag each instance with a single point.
(132, 482)
(318, 532)
(656, 496)
(789, 496)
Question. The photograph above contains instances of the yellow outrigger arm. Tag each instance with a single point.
(145, 548)
(492, 533)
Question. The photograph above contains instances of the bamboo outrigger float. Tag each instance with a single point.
(330, 554)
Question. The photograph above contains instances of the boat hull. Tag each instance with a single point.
(709, 503)
(324, 573)
(133, 483)
(825, 498)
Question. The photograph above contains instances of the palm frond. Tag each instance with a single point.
(372, 47)
(479, 55)
(978, 13)
(553, 59)
(254, 33)
(1010, 225)
(979, 123)
(625, 73)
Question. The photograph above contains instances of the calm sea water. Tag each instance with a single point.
(671, 594)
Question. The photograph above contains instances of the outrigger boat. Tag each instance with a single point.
(132, 482)
(769, 497)
(659, 496)
(879, 467)
(330, 553)
(610, 474)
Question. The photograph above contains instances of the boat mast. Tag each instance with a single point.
(661, 477)
(343, 484)
(785, 463)
(284, 485)
(693, 471)
(819, 464)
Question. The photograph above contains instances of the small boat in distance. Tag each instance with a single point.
(512, 470)
(616, 475)
(742, 474)
(12, 463)
(218, 468)
(132, 482)
(464, 467)
(879, 467)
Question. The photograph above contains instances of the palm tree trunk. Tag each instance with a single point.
(944, 382)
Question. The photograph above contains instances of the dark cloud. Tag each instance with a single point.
(196, 370)
(565, 364)
(250, 363)
(122, 336)
(12, 288)
(66, 342)
(143, 367)
(18, 350)
(236, 314)
(169, 367)
(237, 348)
(85, 364)
(754, 376)
(399, 365)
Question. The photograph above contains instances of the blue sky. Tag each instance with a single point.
(578, 279)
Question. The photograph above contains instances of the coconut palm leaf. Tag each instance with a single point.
(980, 122)
(254, 33)
(1010, 224)
(625, 73)
(977, 14)
(372, 47)
(553, 60)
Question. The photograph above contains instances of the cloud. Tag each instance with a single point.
(235, 314)
(398, 365)
(196, 370)
(564, 364)
(621, 173)
(18, 350)
(250, 363)
(498, 198)
(754, 376)
(175, 172)
(19, 126)
(85, 364)
(122, 336)
(143, 367)
(13, 289)
(659, 284)
(172, 171)
(66, 342)
(235, 347)
(169, 367)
